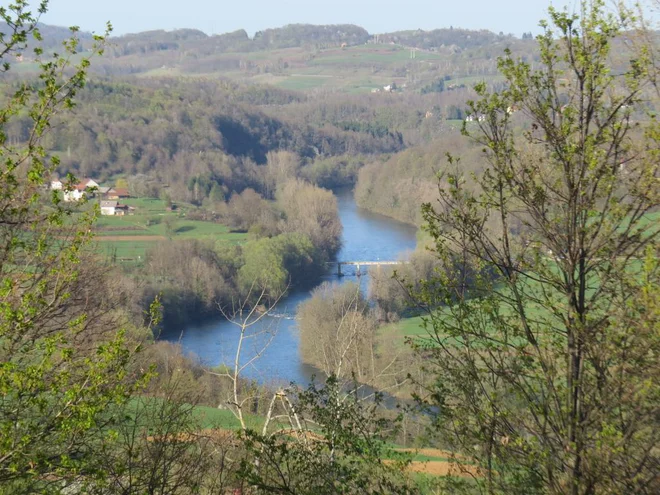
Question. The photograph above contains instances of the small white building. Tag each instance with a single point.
(113, 208)
(108, 207)
(81, 190)
(89, 183)
(74, 194)
(472, 118)
(56, 185)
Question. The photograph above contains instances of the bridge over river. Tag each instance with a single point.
(366, 238)
(358, 264)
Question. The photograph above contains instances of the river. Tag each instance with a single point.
(366, 237)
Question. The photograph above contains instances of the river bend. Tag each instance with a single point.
(366, 237)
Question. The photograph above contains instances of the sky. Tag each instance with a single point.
(376, 16)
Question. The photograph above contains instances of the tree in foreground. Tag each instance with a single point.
(336, 443)
(64, 367)
(546, 354)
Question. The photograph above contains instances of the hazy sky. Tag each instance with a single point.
(220, 16)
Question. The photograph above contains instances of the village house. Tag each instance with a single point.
(113, 208)
(117, 193)
(472, 118)
(80, 190)
(89, 183)
(75, 194)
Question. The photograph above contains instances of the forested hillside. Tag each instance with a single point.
(205, 133)
(195, 136)
(199, 115)
(304, 57)
(397, 186)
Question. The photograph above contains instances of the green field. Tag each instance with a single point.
(127, 238)
(541, 315)
(212, 417)
(370, 54)
(406, 327)
(302, 83)
(352, 69)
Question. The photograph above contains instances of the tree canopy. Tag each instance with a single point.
(546, 355)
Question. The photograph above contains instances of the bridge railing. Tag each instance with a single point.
(358, 264)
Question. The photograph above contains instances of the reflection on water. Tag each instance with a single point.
(366, 237)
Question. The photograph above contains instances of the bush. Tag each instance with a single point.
(151, 221)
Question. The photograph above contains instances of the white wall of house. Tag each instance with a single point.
(75, 195)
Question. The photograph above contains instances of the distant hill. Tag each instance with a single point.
(290, 36)
(438, 38)
(305, 57)
(53, 36)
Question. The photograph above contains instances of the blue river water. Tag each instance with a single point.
(366, 237)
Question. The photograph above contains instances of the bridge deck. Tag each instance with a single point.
(369, 262)
(360, 264)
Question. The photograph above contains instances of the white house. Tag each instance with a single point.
(80, 190)
(112, 208)
(56, 185)
(472, 118)
(89, 183)
(74, 194)
(108, 207)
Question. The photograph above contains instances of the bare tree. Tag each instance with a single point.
(247, 317)
(338, 335)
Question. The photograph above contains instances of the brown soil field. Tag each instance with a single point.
(430, 452)
(442, 468)
(145, 238)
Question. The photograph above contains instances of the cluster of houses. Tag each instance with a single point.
(482, 118)
(390, 88)
(89, 188)
(475, 118)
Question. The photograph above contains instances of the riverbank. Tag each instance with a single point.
(366, 236)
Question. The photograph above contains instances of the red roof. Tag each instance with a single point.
(118, 192)
(84, 184)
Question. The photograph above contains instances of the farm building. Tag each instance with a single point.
(113, 208)
(117, 193)
(80, 190)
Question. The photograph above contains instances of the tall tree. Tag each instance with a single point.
(545, 350)
(63, 365)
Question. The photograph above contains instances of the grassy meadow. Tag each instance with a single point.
(127, 238)
(352, 69)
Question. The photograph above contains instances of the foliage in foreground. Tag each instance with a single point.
(546, 366)
(336, 445)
